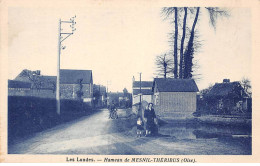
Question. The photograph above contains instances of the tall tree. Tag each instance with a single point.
(182, 42)
(214, 13)
(246, 84)
(164, 64)
(188, 56)
(168, 11)
(175, 72)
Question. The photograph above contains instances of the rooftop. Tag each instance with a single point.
(175, 85)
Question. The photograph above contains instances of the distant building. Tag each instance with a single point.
(41, 85)
(228, 97)
(174, 98)
(74, 84)
(146, 91)
(99, 95)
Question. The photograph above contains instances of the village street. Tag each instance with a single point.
(96, 134)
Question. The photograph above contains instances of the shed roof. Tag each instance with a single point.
(143, 91)
(143, 83)
(175, 85)
(72, 76)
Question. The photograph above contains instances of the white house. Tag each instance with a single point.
(145, 93)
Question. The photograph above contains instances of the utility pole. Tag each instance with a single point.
(108, 83)
(140, 104)
(140, 88)
(61, 37)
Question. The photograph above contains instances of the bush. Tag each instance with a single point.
(27, 115)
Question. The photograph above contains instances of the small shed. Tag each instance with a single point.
(174, 98)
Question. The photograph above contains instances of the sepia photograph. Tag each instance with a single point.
(93, 80)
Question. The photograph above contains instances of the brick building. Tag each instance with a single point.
(72, 84)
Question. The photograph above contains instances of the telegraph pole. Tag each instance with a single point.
(61, 37)
(108, 83)
(140, 104)
(140, 88)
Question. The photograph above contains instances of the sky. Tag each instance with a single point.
(118, 43)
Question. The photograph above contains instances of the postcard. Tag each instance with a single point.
(169, 81)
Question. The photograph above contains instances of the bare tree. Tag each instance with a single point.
(214, 13)
(246, 84)
(33, 77)
(168, 11)
(164, 65)
(186, 57)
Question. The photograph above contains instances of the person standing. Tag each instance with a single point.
(150, 117)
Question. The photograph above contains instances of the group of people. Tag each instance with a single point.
(149, 124)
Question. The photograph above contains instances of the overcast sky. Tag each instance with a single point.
(117, 43)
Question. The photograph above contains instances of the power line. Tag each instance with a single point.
(61, 37)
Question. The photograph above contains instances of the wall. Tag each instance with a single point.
(136, 98)
(43, 93)
(176, 104)
(69, 91)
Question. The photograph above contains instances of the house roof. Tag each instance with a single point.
(224, 89)
(143, 83)
(18, 84)
(47, 82)
(72, 76)
(143, 91)
(175, 85)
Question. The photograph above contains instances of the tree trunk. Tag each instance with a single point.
(188, 55)
(195, 21)
(182, 42)
(175, 72)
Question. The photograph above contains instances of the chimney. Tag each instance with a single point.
(133, 79)
(226, 80)
(37, 72)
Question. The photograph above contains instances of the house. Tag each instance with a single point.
(99, 95)
(76, 84)
(40, 85)
(19, 88)
(228, 98)
(146, 91)
(174, 98)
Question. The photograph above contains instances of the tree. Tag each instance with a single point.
(80, 91)
(182, 42)
(186, 57)
(246, 84)
(189, 52)
(168, 11)
(33, 77)
(163, 63)
(205, 91)
(214, 13)
(125, 91)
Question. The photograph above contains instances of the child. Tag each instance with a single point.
(139, 127)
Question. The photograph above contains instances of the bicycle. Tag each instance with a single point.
(114, 114)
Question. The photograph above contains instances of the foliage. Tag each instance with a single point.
(27, 115)
(246, 84)
(80, 91)
(186, 63)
